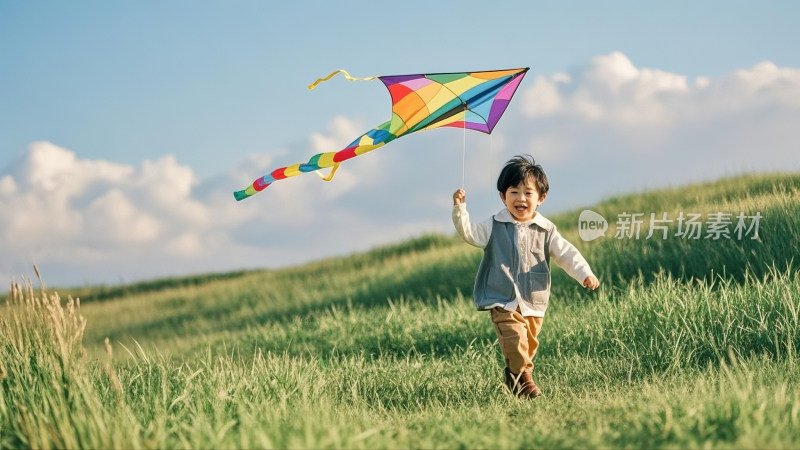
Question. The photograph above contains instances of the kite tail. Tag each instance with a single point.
(332, 74)
(317, 162)
(367, 142)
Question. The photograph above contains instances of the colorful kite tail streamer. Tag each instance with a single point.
(333, 74)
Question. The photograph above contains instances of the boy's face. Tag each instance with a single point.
(522, 200)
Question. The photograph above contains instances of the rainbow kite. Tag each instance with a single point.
(473, 100)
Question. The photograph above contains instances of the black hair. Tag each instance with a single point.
(519, 169)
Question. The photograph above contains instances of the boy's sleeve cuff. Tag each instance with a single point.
(585, 275)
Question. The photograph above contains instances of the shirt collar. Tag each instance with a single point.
(505, 216)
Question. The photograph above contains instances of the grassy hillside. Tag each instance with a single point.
(688, 343)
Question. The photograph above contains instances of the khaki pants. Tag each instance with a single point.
(517, 337)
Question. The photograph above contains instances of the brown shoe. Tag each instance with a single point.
(522, 385)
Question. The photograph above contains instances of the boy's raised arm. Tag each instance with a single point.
(473, 234)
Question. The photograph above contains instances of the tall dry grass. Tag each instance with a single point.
(49, 396)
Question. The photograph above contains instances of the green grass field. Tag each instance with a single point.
(687, 343)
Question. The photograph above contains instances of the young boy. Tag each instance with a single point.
(513, 279)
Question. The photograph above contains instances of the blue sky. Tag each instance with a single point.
(183, 100)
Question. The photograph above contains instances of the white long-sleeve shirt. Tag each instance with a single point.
(562, 251)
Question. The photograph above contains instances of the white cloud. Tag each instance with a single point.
(36, 218)
(113, 219)
(166, 181)
(650, 127)
(7, 185)
(59, 209)
(702, 82)
(543, 99)
(611, 88)
(55, 170)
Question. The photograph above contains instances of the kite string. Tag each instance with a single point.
(491, 159)
(464, 152)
